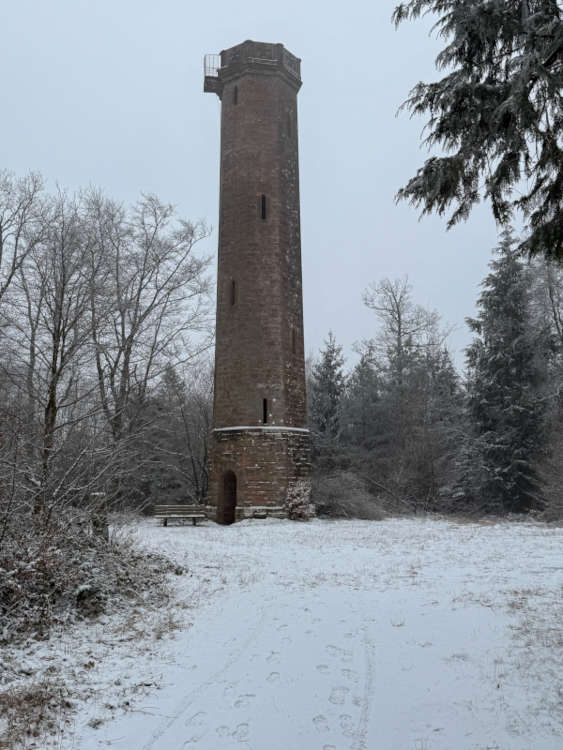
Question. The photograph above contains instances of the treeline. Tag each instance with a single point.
(404, 430)
(105, 384)
(106, 380)
(105, 326)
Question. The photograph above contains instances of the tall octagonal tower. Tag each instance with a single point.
(260, 442)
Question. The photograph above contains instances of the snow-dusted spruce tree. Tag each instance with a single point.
(361, 407)
(507, 367)
(326, 390)
(497, 114)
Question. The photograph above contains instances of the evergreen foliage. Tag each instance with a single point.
(361, 406)
(327, 388)
(433, 436)
(392, 425)
(507, 367)
(497, 114)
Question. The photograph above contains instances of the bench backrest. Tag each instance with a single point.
(179, 509)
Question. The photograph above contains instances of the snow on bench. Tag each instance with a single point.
(167, 513)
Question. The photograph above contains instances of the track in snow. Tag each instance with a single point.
(356, 635)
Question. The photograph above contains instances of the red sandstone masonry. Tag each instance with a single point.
(259, 341)
(264, 463)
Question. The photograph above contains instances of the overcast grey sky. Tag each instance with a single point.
(110, 93)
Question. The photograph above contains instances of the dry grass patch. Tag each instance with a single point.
(30, 711)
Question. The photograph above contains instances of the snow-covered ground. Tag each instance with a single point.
(415, 634)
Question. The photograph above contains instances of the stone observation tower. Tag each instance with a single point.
(260, 442)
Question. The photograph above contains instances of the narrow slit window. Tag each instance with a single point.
(233, 291)
(235, 95)
(265, 411)
(263, 207)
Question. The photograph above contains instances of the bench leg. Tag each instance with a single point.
(165, 522)
(194, 521)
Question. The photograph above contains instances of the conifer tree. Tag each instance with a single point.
(496, 116)
(361, 405)
(506, 380)
(435, 435)
(327, 388)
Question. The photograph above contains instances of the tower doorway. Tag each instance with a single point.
(226, 511)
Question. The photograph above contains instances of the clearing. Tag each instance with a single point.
(405, 634)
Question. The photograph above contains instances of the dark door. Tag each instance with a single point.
(227, 507)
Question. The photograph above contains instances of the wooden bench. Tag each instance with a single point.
(181, 513)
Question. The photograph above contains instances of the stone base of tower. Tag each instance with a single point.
(251, 471)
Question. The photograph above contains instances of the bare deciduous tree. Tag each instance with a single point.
(414, 392)
(404, 325)
(95, 301)
(20, 223)
(51, 331)
(151, 308)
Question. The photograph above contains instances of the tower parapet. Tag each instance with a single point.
(257, 57)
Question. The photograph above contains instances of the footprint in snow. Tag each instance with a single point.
(321, 724)
(322, 668)
(335, 651)
(338, 695)
(229, 692)
(347, 725)
(359, 702)
(244, 700)
(349, 674)
(192, 740)
(274, 656)
(273, 677)
(241, 733)
(223, 731)
(197, 720)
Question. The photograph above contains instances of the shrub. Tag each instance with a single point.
(344, 495)
(53, 574)
(298, 501)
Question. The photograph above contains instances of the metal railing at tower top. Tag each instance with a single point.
(272, 55)
(211, 65)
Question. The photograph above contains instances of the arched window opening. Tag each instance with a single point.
(263, 207)
(226, 512)
(235, 95)
(265, 411)
(233, 291)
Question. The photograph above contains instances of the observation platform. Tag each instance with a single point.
(253, 57)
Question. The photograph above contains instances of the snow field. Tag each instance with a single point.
(411, 634)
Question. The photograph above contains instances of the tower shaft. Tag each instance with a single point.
(259, 444)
